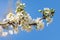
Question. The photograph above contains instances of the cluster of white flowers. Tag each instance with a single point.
(48, 18)
(47, 14)
(23, 20)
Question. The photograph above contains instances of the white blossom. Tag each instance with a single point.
(40, 23)
(4, 34)
(38, 19)
(15, 32)
(26, 28)
(11, 17)
(11, 32)
(49, 20)
(1, 29)
(19, 15)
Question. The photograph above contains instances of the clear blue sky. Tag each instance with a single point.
(52, 32)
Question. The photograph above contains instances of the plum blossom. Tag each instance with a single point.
(4, 34)
(49, 20)
(23, 20)
(40, 23)
(1, 29)
(10, 32)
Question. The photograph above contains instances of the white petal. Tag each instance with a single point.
(11, 32)
(15, 32)
(4, 34)
(1, 29)
(49, 20)
(46, 9)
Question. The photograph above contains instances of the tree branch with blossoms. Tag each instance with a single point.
(23, 21)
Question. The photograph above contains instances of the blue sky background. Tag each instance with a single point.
(52, 32)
